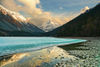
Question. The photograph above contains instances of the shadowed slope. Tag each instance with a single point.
(86, 24)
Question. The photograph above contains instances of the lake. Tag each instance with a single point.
(10, 45)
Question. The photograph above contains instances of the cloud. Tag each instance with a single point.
(30, 3)
(10, 4)
(29, 7)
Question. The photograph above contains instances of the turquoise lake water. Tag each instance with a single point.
(10, 45)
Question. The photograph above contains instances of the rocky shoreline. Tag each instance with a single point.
(87, 54)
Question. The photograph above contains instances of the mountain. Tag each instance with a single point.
(85, 25)
(85, 9)
(14, 24)
(49, 26)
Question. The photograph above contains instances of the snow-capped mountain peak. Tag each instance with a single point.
(49, 26)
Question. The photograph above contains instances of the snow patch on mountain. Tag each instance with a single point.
(85, 9)
(15, 15)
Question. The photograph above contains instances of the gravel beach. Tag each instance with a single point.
(87, 54)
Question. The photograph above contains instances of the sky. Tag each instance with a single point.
(40, 11)
(68, 7)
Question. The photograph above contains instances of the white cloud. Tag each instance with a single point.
(30, 3)
(37, 15)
